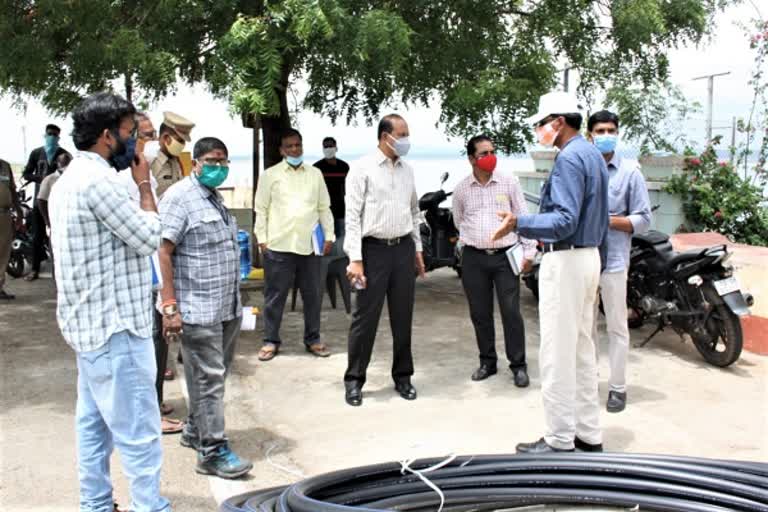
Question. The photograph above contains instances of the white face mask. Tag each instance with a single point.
(329, 153)
(401, 145)
(151, 150)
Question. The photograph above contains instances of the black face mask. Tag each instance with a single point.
(124, 153)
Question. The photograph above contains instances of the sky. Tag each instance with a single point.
(727, 51)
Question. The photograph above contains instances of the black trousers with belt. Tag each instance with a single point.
(481, 273)
(390, 274)
(39, 238)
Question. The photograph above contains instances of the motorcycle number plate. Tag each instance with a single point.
(726, 286)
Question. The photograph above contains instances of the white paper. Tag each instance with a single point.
(516, 255)
(249, 320)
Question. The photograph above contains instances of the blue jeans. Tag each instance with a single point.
(117, 406)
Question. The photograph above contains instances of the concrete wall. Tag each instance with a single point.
(668, 218)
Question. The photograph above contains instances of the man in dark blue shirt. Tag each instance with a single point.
(572, 223)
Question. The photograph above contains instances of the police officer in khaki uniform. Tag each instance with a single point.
(9, 200)
(174, 134)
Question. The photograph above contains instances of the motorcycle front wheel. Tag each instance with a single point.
(721, 345)
(16, 265)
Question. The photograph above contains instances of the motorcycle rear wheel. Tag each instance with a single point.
(724, 340)
(15, 265)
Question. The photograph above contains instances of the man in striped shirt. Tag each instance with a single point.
(476, 203)
(384, 249)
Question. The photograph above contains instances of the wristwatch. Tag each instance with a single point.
(170, 309)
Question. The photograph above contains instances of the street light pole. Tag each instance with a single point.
(710, 99)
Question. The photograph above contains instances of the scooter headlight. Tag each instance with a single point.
(695, 280)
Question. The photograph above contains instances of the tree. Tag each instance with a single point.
(484, 63)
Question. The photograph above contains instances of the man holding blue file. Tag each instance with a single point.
(485, 265)
(293, 226)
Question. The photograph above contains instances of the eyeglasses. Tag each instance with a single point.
(215, 162)
(151, 135)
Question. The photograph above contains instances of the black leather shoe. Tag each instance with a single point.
(406, 391)
(583, 446)
(538, 447)
(354, 396)
(521, 377)
(483, 372)
(616, 401)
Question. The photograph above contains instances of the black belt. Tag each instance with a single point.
(385, 241)
(561, 246)
(489, 251)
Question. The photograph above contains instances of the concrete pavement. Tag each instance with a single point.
(290, 417)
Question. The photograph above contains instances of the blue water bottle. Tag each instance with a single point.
(245, 253)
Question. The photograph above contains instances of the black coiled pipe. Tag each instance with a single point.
(492, 482)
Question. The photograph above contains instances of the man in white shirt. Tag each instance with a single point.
(383, 245)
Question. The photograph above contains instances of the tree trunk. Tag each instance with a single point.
(129, 87)
(274, 126)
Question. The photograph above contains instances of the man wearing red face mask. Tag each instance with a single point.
(476, 203)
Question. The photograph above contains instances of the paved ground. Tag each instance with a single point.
(289, 415)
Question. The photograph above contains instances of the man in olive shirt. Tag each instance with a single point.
(174, 134)
(9, 200)
(290, 199)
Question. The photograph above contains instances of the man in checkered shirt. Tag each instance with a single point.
(200, 300)
(476, 203)
(101, 243)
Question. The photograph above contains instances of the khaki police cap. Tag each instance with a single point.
(180, 125)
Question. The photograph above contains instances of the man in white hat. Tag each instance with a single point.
(572, 222)
(174, 134)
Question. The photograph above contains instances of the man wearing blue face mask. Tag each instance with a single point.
(630, 212)
(41, 163)
(290, 201)
(200, 301)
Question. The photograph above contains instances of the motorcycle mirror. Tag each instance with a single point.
(444, 178)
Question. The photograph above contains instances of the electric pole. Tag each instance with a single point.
(710, 99)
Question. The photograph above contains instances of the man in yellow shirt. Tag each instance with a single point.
(290, 200)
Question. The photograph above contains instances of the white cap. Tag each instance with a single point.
(557, 102)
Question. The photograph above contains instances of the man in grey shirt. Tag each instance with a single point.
(200, 301)
(383, 245)
(630, 212)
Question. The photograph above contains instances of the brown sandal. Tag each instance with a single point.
(171, 426)
(268, 352)
(319, 349)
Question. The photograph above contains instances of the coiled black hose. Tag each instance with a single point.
(492, 482)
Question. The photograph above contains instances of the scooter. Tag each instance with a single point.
(439, 235)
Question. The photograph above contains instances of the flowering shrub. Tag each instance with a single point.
(716, 198)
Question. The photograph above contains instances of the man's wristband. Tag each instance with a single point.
(143, 182)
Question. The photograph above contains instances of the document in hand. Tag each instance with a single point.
(515, 255)
(157, 278)
(318, 239)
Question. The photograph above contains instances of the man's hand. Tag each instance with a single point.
(327, 248)
(508, 225)
(263, 248)
(171, 327)
(140, 171)
(356, 273)
(527, 266)
(420, 269)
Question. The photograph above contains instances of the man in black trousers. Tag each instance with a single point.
(477, 200)
(41, 163)
(383, 245)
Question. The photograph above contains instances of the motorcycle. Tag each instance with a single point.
(694, 292)
(439, 235)
(22, 247)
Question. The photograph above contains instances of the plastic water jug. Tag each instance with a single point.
(244, 240)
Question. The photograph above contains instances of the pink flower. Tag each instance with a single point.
(718, 214)
(695, 161)
(723, 164)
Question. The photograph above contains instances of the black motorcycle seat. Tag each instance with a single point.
(674, 258)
